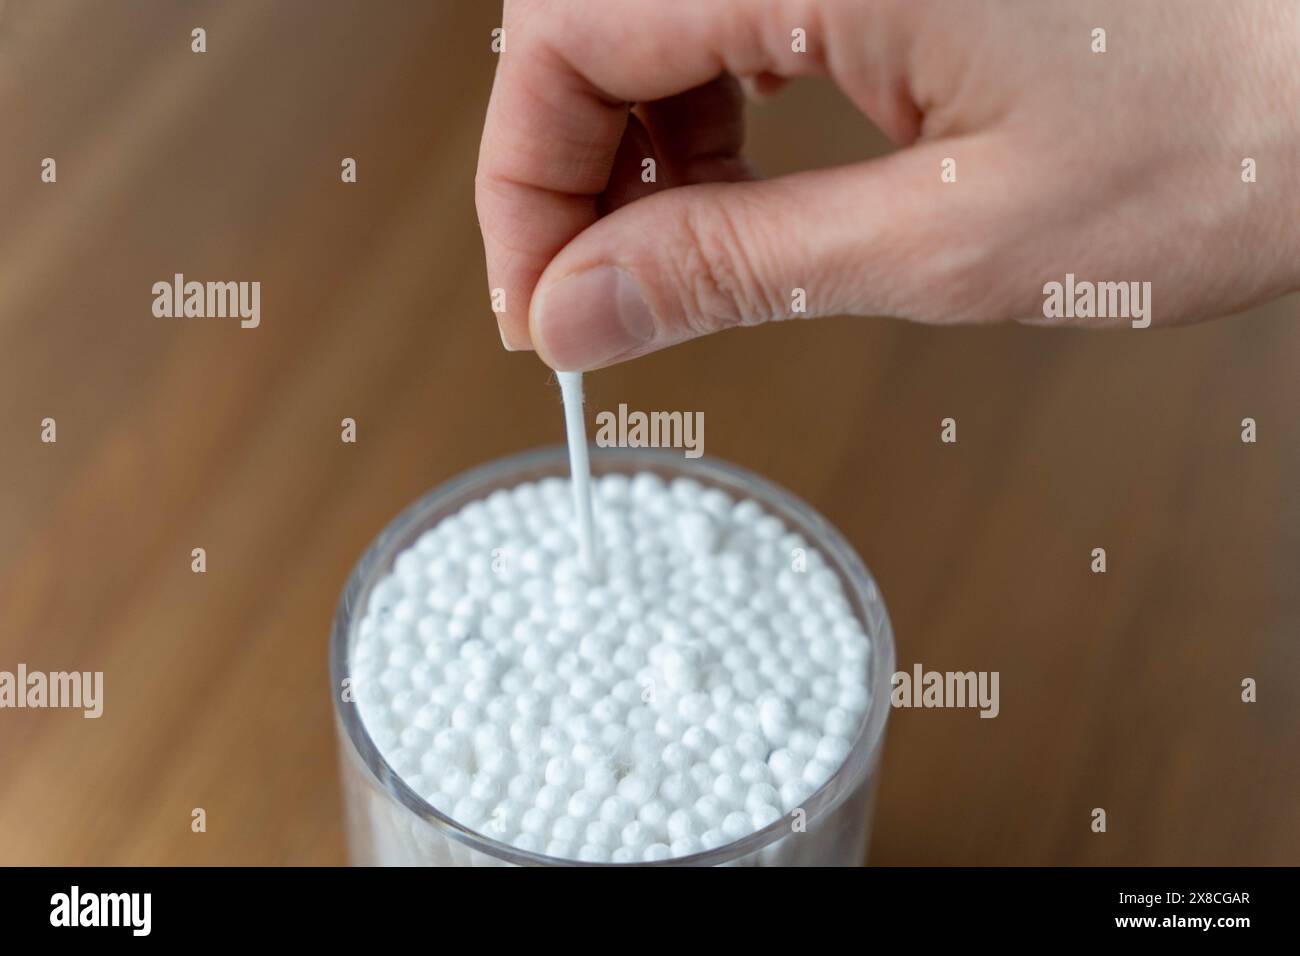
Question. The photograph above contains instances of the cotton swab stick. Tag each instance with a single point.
(579, 468)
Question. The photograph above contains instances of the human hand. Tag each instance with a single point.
(1118, 166)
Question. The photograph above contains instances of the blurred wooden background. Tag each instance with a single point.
(1119, 691)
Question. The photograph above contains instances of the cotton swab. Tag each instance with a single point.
(579, 468)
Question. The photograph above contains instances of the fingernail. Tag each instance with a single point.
(749, 86)
(502, 332)
(592, 318)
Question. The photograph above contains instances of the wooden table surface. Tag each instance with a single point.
(1119, 691)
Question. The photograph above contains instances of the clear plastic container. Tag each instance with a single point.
(390, 824)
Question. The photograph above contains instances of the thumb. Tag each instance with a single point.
(882, 237)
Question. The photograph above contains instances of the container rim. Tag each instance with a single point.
(860, 589)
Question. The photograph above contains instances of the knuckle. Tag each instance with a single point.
(716, 273)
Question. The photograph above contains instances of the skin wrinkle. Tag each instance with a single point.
(502, 187)
(771, 244)
(714, 271)
(589, 170)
